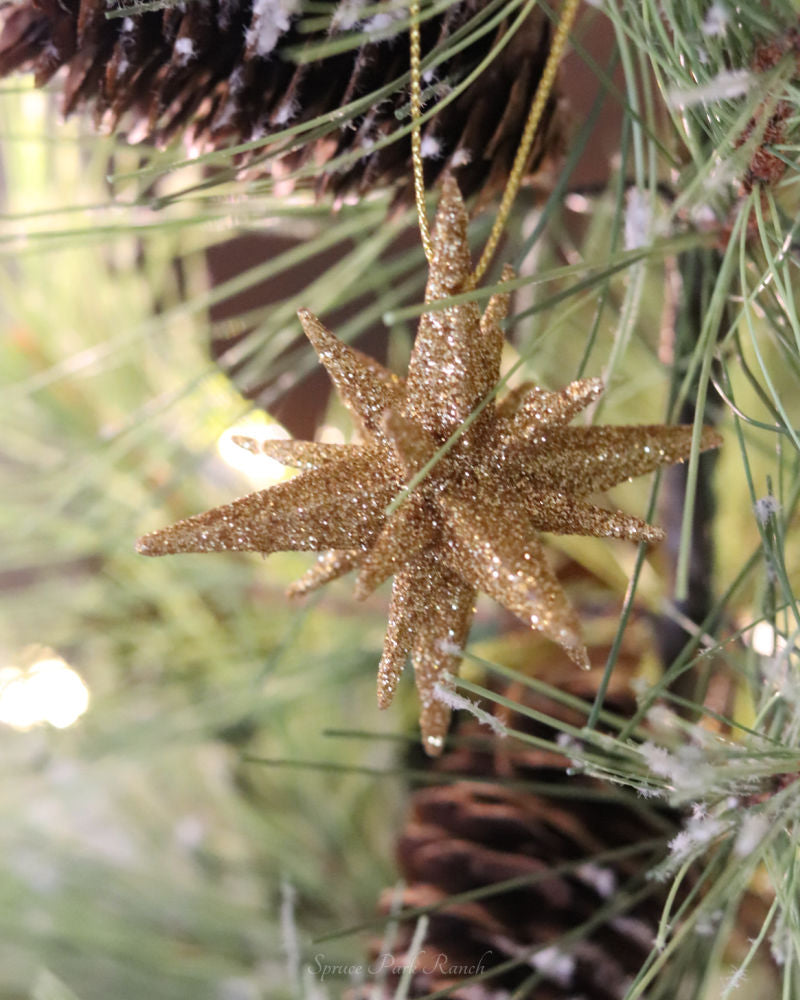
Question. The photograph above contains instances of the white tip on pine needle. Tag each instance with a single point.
(725, 86)
(765, 507)
(638, 219)
(289, 936)
(735, 980)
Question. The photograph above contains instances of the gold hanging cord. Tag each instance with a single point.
(416, 136)
(538, 104)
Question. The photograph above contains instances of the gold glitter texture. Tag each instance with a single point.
(471, 523)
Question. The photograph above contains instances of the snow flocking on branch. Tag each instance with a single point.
(444, 692)
(638, 219)
(725, 86)
(271, 19)
(715, 23)
(765, 507)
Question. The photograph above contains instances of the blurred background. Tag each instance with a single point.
(198, 791)
(140, 855)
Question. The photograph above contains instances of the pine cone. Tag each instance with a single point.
(470, 834)
(771, 120)
(220, 72)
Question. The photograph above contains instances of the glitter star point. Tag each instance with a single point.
(471, 524)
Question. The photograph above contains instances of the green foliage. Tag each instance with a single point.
(149, 849)
(140, 855)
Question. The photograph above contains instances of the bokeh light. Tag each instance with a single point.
(47, 691)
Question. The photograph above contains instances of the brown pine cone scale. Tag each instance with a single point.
(223, 72)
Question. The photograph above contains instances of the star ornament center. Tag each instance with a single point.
(472, 522)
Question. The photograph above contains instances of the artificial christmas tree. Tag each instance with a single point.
(673, 279)
(229, 72)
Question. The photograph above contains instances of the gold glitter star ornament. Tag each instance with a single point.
(471, 523)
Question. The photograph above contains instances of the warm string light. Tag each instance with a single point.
(47, 690)
(538, 105)
(241, 447)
